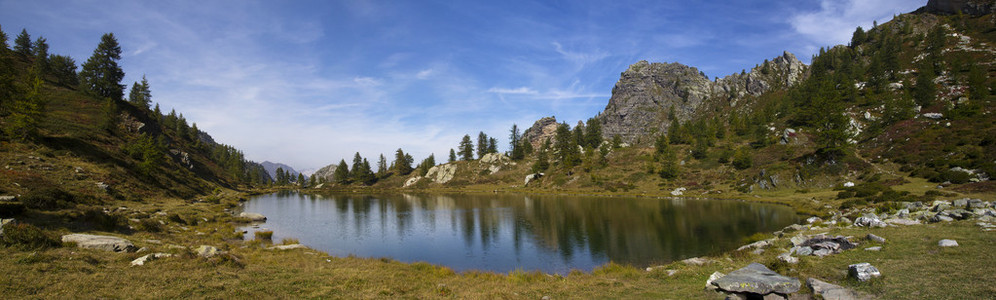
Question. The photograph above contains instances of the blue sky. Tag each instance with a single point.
(308, 83)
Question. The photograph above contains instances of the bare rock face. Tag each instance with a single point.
(442, 173)
(325, 173)
(541, 130)
(971, 7)
(647, 93)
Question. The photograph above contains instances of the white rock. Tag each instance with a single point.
(947, 243)
(100, 242)
(678, 191)
(255, 217)
(288, 247)
(144, 259)
(848, 184)
(412, 181)
(207, 251)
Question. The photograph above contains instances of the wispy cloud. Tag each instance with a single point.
(516, 91)
(836, 20)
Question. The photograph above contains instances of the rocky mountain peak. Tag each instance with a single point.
(648, 94)
(541, 130)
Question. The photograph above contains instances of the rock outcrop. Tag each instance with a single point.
(541, 130)
(325, 173)
(758, 280)
(442, 173)
(99, 242)
(647, 93)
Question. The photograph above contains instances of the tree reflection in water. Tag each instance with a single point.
(505, 232)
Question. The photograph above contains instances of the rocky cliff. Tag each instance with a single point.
(325, 173)
(646, 94)
(971, 7)
(541, 130)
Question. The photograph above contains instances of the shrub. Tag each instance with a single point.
(289, 241)
(149, 225)
(48, 198)
(102, 220)
(264, 235)
(27, 237)
(742, 159)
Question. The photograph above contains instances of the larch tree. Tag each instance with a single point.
(23, 45)
(101, 74)
(341, 173)
(452, 157)
(482, 144)
(466, 148)
(140, 95)
(41, 65)
(515, 138)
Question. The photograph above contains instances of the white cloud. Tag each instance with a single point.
(424, 74)
(515, 91)
(836, 20)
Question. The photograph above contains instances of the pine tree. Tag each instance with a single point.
(402, 162)
(593, 133)
(3, 41)
(466, 148)
(281, 177)
(567, 148)
(382, 166)
(542, 162)
(341, 173)
(742, 159)
(22, 44)
(924, 91)
(101, 74)
(26, 113)
(858, 37)
(616, 141)
(140, 94)
(514, 143)
(367, 177)
(426, 164)
(300, 180)
(527, 148)
(482, 144)
(64, 70)
(41, 65)
(492, 145)
(452, 157)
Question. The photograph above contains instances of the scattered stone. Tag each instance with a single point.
(960, 203)
(863, 271)
(788, 258)
(976, 203)
(947, 243)
(4, 222)
(8, 198)
(757, 279)
(144, 259)
(823, 245)
(812, 220)
(255, 217)
(103, 186)
(288, 247)
(849, 184)
(207, 251)
(933, 115)
(531, 177)
(832, 291)
(695, 261)
(798, 240)
(755, 245)
(875, 238)
(795, 227)
(869, 221)
(941, 218)
(906, 222)
(678, 191)
(712, 278)
(876, 248)
(100, 242)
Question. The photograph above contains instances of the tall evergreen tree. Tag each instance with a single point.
(567, 147)
(101, 74)
(367, 177)
(3, 40)
(382, 166)
(341, 173)
(542, 161)
(515, 143)
(26, 113)
(482, 144)
(466, 148)
(452, 157)
(402, 162)
(140, 95)
(22, 44)
(593, 133)
(357, 171)
(527, 148)
(41, 65)
(301, 182)
(64, 70)
(924, 90)
(492, 145)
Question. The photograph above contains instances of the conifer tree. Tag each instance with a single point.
(101, 74)
(26, 113)
(515, 143)
(64, 70)
(22, 44)
(593, 133)
(3, 41)
(382, 166)
(924, 91)
(567, 148)
(482, 144)
(300, 180)
(492, 145)
(527, 148)
(140, 95)
(452, 157)
(466, 148)
(367, 177)
(41, 65)
(542, 161)
(858, 37)
(341, 173)
(402, 162)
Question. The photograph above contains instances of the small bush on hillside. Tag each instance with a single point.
(149, 225)
(27, 237)
(264, 235)
(102, 220)
(48, 198)
(9, 209)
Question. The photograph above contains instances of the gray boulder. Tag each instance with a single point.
(788, 258)
(255, 217)
(835, 292)
(712, 278)
(100, 242)
(875, 238)
(755, 278)
(442, 173)
(144, 259)
(531, 177)
(863, 271)
(960, 203)
(947, 243)
(288, 247)
(869, 221)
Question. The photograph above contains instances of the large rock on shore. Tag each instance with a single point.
(757, 279)
(100, 242)
(255, 217)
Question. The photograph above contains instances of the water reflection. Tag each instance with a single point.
(505, 232)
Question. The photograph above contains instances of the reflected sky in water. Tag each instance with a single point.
(502, 233)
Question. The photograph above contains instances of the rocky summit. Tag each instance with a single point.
(541, 130)
(648, 95)
(971, 7)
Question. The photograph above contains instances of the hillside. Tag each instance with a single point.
(73, 149)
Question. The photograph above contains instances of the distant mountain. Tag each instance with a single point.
(326, 173)
(271, 168)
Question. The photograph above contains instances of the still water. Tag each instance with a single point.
(502, 233)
